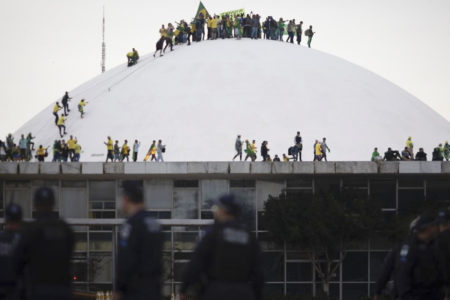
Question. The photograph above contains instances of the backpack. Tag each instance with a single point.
(163, 150)
(290, 151)
(308, 32)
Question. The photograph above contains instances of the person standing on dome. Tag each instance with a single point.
(446, 151)
(109, 148)
(71, 144)
(410, 147)
(299, 32)
(238, 148)
(281, 27)
(421, 155)
(317, 151)
(116, 151)
(248, 151)
(77, 152)
(81, 106)
(291, 30)
(309, 33)
(125, 151)
(65, 103)
(298, 143)
(160, 149)
(264, 150)
(324, 149)
(136, 146)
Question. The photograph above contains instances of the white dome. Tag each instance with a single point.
(198, 98)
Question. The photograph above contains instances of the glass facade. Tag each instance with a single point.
(288, 271)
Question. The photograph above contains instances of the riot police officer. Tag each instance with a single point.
(227, 261)
(139, 267)
(44, 251)
(8, 242)
(389, 272)
(421, 274)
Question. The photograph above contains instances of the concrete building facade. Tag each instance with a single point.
(88, 194)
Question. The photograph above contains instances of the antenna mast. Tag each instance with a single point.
(103, 43)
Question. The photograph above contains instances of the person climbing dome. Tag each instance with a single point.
(159, 47)
(309, 33)
(132, 57)
(61, 125)
(56, 108)
(65, 103)
(81, 106)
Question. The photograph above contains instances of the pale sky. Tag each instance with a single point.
(50, 46)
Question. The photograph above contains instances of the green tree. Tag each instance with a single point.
(325, 225)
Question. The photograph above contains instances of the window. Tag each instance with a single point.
(2, 204)
(242, 184)
(354, 291)
(102, 200)
(438, 189)
(273, 266)
(376, 264)
(211, 190)
(22, 197)
(300, 289)
(100, 267)
(325, 184)
(383, 191)
(264, 189)
(185, 203)
(410, 201)
(355, 266)
(74, 203)
(185, 184)
(301, 182)
(246, 198)
(158, 194)
(299, 271)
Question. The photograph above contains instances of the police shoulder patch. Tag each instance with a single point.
(235, 236)
(404, 252)
(125, 231)
(152, 225)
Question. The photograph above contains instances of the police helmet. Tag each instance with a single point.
(13, 213)
(44, 198)
(229, 204)
(422, 222)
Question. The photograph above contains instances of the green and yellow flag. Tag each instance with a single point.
(202, 10)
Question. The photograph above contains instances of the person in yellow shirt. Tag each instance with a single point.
(71, 145)
(81, 106)
(162, 31)
(214, 23)
(317, 151)
(56, 108)
(209, 25)
(77, 152)
(125, 151)
(253, 146)
(285, 158)
(109, 147)
(41, 153)
(152, 151)
(61, 125)
(410, 147)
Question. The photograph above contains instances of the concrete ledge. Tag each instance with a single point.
(135, 168)
(260, 168)
(356, 167)
(92, 168)
(239, 167)
(218, 168)
(303, 167)
(446, 167)
(321, 167)
(29, 168)
(282, 168)
(166, 168)
(388, 167)
(8, 168)
(417, 167)
(114, 168)
(197, 168)
(69, 168)
(52, 168)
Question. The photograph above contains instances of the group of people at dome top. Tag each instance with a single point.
(21, 151)
(294, 153)
(120, 153)
(440, 153)
(60, 120)
(231, 26)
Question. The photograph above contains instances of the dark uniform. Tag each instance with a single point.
(8, 242)
(140, 258)
(421, 274)
(443, 244)
(390, 271)
(44, 250)
(227, 262)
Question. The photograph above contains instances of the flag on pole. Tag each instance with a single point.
(202, 10)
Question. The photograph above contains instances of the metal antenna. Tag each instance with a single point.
(103, 43)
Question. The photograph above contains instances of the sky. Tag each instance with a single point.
(50, 46)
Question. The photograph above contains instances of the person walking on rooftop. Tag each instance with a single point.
(309, 33)
(160, 149)
(136, 146)
(238, 148)
(299, 32)
(410, 147)
(324, 149)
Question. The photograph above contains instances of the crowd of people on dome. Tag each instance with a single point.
(121, 153)
(227, 26)
(294, 153)
(440, 153)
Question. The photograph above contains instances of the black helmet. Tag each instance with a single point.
(424, 221)
(44, 197)
(229, 204)
(13, 213)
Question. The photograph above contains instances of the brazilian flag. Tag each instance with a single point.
(202, 10)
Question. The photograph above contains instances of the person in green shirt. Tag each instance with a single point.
(309, 33)
(376, 155)
(446, 151)
(281, 26)
(237, 28)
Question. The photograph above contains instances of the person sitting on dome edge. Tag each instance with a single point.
(392, 155)
(421, 155)
(406, 154)
(376, 155)
(276, 158)
(285, 158)
(437, 154)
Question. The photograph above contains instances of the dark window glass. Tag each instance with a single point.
(242, 183)
(302, 182)
(355, 266)
(161, 215)
(261, 221)
(410, 201)
(273, 266)
(299, 271)
(299, 289)
(438, 189)
(383, 191)
(376, 264)
(300, 194)
(102, 190)
(273, 290)
(73, 184)
(178, 270)
(355, 182)
(79, 271)
(354, 291)
(405, 181)
(325, 184)
(183, 255)
(185, 183)
(207, 215)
